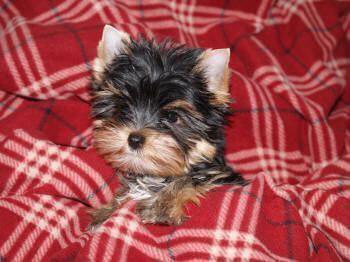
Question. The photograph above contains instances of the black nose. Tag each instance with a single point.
(136, 140)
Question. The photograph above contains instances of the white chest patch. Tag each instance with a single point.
(145, 187)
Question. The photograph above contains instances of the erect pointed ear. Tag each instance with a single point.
(215, 65)
(113, 42)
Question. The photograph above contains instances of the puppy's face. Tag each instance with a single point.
(158, 108)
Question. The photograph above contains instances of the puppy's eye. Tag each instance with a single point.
(171, 117)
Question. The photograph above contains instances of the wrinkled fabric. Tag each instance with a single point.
(289, 136)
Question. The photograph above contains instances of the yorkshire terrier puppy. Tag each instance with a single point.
(159, 114)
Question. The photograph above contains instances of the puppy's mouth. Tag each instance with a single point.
(141, 152)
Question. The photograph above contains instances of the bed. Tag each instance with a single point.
(289, 135)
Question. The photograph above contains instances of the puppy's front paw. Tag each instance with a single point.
(101, 214)
(157, 214)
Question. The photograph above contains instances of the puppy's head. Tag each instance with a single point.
(158, 108)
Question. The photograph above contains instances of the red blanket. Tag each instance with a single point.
(290, 135)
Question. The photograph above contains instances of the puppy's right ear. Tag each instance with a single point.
(113, 42)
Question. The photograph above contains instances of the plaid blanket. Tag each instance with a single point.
(290, 135)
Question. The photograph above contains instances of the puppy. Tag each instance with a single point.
(159, 115)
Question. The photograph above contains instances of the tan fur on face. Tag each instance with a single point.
(110, 141)
(185, 106)
(202, 151)
(160, 155)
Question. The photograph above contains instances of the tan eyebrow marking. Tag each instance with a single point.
(180, 103)
(183, 105)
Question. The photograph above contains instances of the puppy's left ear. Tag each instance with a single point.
(113, 42)
(215, 64)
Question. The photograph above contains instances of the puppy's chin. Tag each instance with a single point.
(140, 163)
(139, 166)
